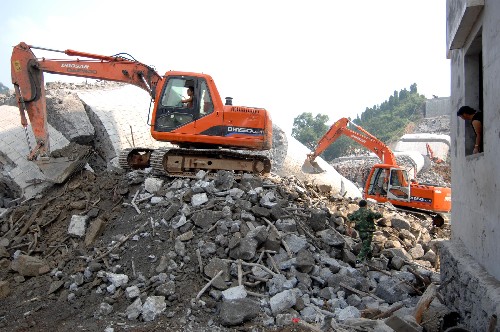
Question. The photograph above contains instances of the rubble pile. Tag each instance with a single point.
(434, 125)
(135, 251)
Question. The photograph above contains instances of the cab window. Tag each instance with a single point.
(206, 105)
(176, 88)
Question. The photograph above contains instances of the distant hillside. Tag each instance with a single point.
(3, 88)
(388, 122)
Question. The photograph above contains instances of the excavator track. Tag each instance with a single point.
(180, 162)
(135, 158)
(438, 218)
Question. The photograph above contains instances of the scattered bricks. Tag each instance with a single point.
(213, 267)
(206, 218)
(296, 243)
(400, 224)
(399, 252)
(305, 261)
(276, 284)
(268, 200)
(4, 289)
(134, 310)
(397, 263)
(171, 211)
(118, 280)
(318, 220)
(179, 221)
(283, 301)
(250, 181)
(199, 199)
(234, 293)
(398, 324)
(324, 188)
(390, 290)
(332, 238)
(247, 216)
(236, 312)
(186, 236)
(224, 180)
(347, 313)
(77, 225)
(3, 252)
(277, 212)
(167, 289)
(95, 228)
(273, 242)
(246, 250)
(78, 205)
(416, 252)
(430, 256)
(55, 286)
(259, 233)
(236, 193)
(261, 211)
(104, 309)
(153, 185)
(286, 225)
(29, 266)
(152, 307)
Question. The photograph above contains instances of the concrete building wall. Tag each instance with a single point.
(476, 184)
(437, 107)
(473, 29)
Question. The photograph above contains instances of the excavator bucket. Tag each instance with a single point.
(59, 169)
(311, 167)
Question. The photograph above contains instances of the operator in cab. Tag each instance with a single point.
(189, 100)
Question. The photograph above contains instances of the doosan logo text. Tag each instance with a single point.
(244, 130)
(72, 65)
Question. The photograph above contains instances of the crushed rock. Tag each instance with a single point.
(274, 248)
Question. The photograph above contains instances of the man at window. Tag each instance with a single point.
(189, 100)
(476, 118)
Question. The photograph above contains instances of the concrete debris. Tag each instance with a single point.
(208, 253)
(293, 257)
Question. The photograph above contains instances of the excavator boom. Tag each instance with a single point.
(27, 77)
(363, 137)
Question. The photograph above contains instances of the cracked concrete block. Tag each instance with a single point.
(77, 225)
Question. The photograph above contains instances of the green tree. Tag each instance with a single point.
(387, 121)
(308, 129)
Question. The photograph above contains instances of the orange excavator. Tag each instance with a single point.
(386, 182)
(430, 154)
(188, 112)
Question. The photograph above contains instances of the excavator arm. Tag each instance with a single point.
(27, 77)
(363, 137)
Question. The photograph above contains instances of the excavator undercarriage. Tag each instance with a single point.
(180, 162)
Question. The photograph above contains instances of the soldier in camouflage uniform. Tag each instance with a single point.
(364, 223)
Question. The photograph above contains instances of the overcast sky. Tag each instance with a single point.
(290, 57)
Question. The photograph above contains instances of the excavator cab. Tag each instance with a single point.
(399, 185)
(389, 182)
(172, 112)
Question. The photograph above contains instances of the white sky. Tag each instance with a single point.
(288, 56)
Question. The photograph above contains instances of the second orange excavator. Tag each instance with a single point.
(386, 182)
(187, 112)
